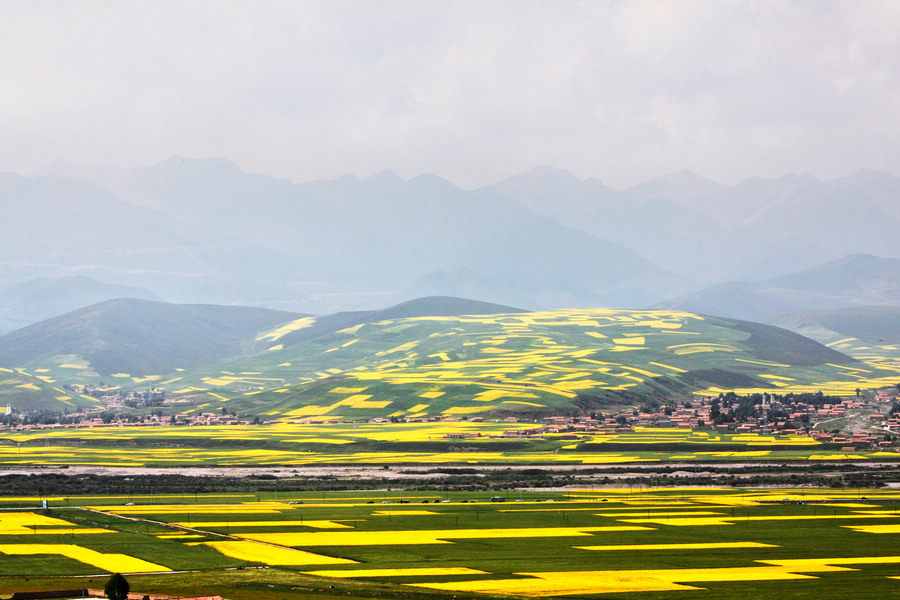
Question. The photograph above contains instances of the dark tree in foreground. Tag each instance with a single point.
(117, 587)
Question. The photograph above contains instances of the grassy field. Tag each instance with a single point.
(658, 543)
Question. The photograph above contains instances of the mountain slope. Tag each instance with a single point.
(60, 227)
(856, 280)
(648, 220)
(758, 229)
(875, 325)
(204, 231)
(43, 298)
(389, 235)
(139, 337)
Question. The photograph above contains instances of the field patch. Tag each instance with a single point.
(114, 563)
(273, 555)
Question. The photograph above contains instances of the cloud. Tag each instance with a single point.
(473, 91)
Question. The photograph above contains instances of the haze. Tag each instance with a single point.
(471, 91)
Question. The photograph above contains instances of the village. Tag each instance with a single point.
(862, 427)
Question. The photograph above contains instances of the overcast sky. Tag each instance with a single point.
(473, 91)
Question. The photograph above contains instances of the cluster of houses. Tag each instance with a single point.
(777, 417)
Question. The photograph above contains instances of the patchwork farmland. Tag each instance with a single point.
(648, 543)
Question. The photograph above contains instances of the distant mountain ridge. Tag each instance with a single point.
(710, 232)
(203, 231)
(43, 298)
(876, 325)
(853, 281)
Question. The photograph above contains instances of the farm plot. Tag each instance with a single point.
(666, 543)
(36, 544)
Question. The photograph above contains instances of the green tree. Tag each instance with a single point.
(117, 587)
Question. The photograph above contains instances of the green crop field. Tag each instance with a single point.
(636, 543)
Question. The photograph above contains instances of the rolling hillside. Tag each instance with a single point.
(138, 337)
(432, 356)
(43, 298)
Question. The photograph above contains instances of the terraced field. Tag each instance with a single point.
(663, 543)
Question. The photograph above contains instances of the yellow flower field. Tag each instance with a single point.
(23, 523)
(114, 563)
(621, 581)
(273, 555)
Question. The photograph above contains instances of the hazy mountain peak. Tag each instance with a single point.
(675, 186)
(858, 260)
(384, 176)
(208, 166)
(8, 180)
(801, 178)
(867, 172)
(551, 174)
(431, 179)
(869, 177)
(551, 182)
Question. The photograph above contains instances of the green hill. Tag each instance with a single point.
(39, 391)
(533, 363)
(423, 358)
(139, 337)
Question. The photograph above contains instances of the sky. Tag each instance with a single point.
(473, 91)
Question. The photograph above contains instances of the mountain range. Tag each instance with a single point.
(202, 231)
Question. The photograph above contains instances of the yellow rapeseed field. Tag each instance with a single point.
(114, 563)
(21, 523)
(273, 555)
